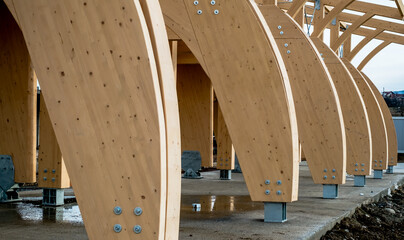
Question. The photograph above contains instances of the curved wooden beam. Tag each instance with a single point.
(105, 103)
(357, 126)
(295, 7)
(341, 39)
(363, 43)
(390, 128)
(319, 115)
(267, 148)
(372, 54)
(18, 96)
(376, 119)
(168, 89)
(320, 26)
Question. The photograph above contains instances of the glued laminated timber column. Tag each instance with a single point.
(18, 96)
(195, 99)
(237, 50)
(100, 81)
(52, 172)
(225, 149)
(318, 111)
(357, 126)
(388, 120)
(376, 119)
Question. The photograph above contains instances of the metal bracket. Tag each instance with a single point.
(334, 22)
(390, 170)
(225, 174)
(330, 191)
(275, 212)
(359, 180)
(378, 174)
(53, 197)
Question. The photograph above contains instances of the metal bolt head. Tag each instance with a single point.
(117, 210)
(375, 160)
(196, 3)
(325, 170)
(333, 170)
(381, 161)
(45, 179)
(138, 211)
(356, 169)
(356, 164)
(267, 192)
(362, 164)
(279, 182)
(137, 229)
(117, 228)
(281, 32)
(267, 182)
(278, 192)
(199, 12)
(45, 170)
(333, 177)
(325, 177)
(279, 27)
(380, 165)
(53, 179)
(212, 2)
(375, 165)
(362, 170)
(216, 12)
(286, 45)
(288, 51)
(53, 170)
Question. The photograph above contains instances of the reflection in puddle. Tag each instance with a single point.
(211, 207)
(30, 212)
(216, 206)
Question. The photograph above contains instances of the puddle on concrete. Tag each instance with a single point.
(212, 207)
(29, 212)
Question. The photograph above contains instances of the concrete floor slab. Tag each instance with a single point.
(227, 211)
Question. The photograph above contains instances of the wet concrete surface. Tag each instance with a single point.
(226, 212)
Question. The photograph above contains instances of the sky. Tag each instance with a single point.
(386, 69)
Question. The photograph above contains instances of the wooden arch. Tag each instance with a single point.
(251, 85)
(363, 43)
(118, 134)
(372, 54)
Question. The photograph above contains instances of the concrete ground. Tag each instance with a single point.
(226, 211)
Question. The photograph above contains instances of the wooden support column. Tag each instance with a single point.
(52, 172)
(334, 31)
(18, 97)
(195, 98)
(376, 119)
(225, 149)
(388, 120)
(104, 100)
(357, 126)
(347, 46)
(319, 15)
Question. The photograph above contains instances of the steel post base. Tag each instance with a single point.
(330, 191)
(359, 180)
(378, 174)
(225, 174)
(275, 212)
(390, 170)
(53, 197)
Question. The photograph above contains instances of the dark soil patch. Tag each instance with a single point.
(381, 220)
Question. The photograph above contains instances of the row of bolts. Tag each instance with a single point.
(45, 171)
(137, 211)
